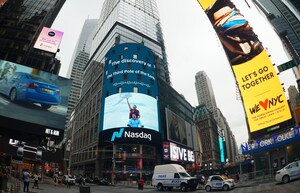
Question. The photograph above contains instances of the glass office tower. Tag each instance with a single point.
(284, 15)
(134, 22)
(21, 21)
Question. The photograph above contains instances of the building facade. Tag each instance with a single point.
(205, 95)
(128, 67)
(285, 17)
(208, 129)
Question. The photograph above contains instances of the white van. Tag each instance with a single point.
(171, 176)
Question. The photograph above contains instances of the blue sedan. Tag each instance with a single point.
(31, 88)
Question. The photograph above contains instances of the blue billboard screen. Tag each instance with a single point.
(129, 95)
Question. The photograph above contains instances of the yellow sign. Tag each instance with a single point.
(264, 101)
(263, 97)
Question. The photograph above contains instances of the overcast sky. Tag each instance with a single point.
(191, 46)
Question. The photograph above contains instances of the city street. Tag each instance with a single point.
(292, 187)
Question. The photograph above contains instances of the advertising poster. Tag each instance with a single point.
(33, 96)
(264, 101)
(178, 129)
(49, 40)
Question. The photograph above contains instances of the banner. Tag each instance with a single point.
(264, 101)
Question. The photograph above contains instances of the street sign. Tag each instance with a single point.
(286, 66)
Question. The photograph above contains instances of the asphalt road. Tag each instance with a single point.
(271, 187)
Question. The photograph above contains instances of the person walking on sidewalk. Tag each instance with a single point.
(36, 181)
(141, 184)
(26, 180)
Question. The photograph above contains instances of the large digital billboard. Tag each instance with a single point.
(129, 96)
(118, 111)
(264, 101)
(33, 96)
(179, 130)
(177, 153)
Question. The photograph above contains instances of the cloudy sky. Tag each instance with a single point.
(191, 46)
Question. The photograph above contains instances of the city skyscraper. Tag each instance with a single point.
(205, 95)
(204, 89)
(126, 29)
(79, 61)
(284, 15)
(20, 25)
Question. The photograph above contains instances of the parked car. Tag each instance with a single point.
(25, 87)
(101, 181)
(219, 182)
(289, 172)
(71, 179)
(169, 176)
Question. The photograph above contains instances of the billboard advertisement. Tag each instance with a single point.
(33, 96)
(264, 101)
(118, 113)
(177, 153)
(49, 40)
(179, 130)
(129, 95)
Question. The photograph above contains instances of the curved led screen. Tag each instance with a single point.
(129, 95)
(264, 101)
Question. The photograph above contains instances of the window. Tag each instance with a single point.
(116, 67)
(135, 89)
(134, 56)
(125, 48)
(120, 56)
(149, 92)
(138, 49)
(176, 175)
(114, 51)
(111, 79)
(125, 76)
(119, 90)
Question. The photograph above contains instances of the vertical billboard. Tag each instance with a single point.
(129, 95)
(49, 40)
(33, 96)
(264, 101)
(179, 130)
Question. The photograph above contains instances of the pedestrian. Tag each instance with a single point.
(68, 180)
(36, 181)
(55, 179)
(138, 183)
(142, 183)
(26, 180)
(237, 177)
(227, 174)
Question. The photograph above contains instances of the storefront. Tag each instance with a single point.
(275, 151)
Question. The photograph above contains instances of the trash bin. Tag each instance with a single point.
(84, 189)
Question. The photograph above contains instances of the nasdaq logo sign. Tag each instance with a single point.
(130, 135)
(117, 134)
